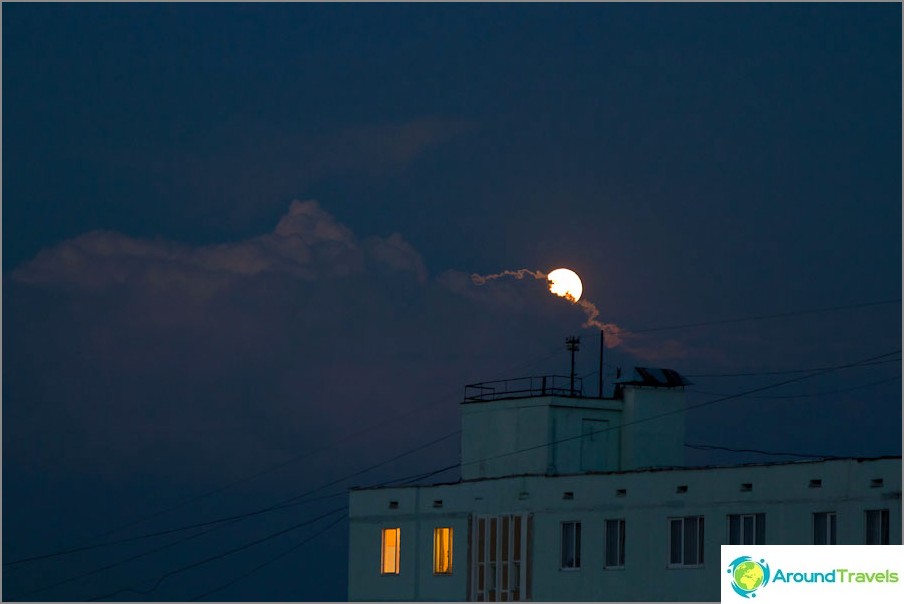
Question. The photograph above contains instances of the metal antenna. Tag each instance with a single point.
(602, 347)
(572, 343)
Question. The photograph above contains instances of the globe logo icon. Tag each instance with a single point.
(748, 575)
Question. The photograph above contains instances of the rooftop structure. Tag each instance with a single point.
(566, 497)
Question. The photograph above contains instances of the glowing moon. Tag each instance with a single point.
(565, 283)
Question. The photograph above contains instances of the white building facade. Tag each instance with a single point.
(574, 499)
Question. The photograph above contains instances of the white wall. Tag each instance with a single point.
(648, 442)
(781, 491)
(492, 431)
(570, 442)
(554, 435)
(540, 435)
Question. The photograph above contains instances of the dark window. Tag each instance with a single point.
(571, 545)
(686, 541)
(877, 527)
(825, 528)
(615, 543)
(747, 529)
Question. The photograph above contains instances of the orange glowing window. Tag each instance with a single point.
(390, 562)
(442, 551)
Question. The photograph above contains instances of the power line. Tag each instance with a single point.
(783, 372)
(271, 560)
(814, 373)
(762, 317)
(234, 483)
(369, 429)
(759, 451)
(113, 565)
(823, 393)
(228, 520)
(217, 524)
(209, 559)
(688, 408)
(279, 505)
(285, 503)
(722, 399)
(403, 480)
(433, 473)
(250, 544)
(555, 351)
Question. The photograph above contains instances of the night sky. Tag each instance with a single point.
(238, 240)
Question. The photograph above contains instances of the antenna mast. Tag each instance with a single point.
(572, 343)
(602, 347)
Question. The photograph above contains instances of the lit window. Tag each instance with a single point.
(747, 529)
(877, 527)
(615, 543)
(571, 545)
(825, 528)
(390, 565)
(686, 541)
(442, 551)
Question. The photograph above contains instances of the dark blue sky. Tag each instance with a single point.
(172, 323)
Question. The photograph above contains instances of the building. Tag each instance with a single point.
(569, 498)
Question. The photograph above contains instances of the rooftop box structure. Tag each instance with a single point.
(571, 498)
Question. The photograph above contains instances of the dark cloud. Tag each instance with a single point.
(307, 243)
(218, 358)
(383, 147)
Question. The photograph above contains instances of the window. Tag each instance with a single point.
(390, 561)
(746, 529)
(615, 543)
(499, 558)
(571, 545)
(877, 527)
(686, 541)
(442, 551)
(824, 528)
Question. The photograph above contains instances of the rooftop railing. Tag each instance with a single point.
(524, 387)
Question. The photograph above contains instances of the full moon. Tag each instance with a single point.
(565, 283)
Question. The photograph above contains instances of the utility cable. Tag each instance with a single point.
(779, 315)
(404, 480)
(760, 452)
(823, 393)
(270, 560)
(271, 536)
(784, 372)
(688, 408)
(658, 416)
(369, 428)
(279, 505)
(209, 559)
(113, 565)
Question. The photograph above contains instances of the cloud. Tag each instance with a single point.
(199, 359)
(205, 353)
(518, 291)
(592, 313)
(387, 146)
(307, 243)
(398, 254)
